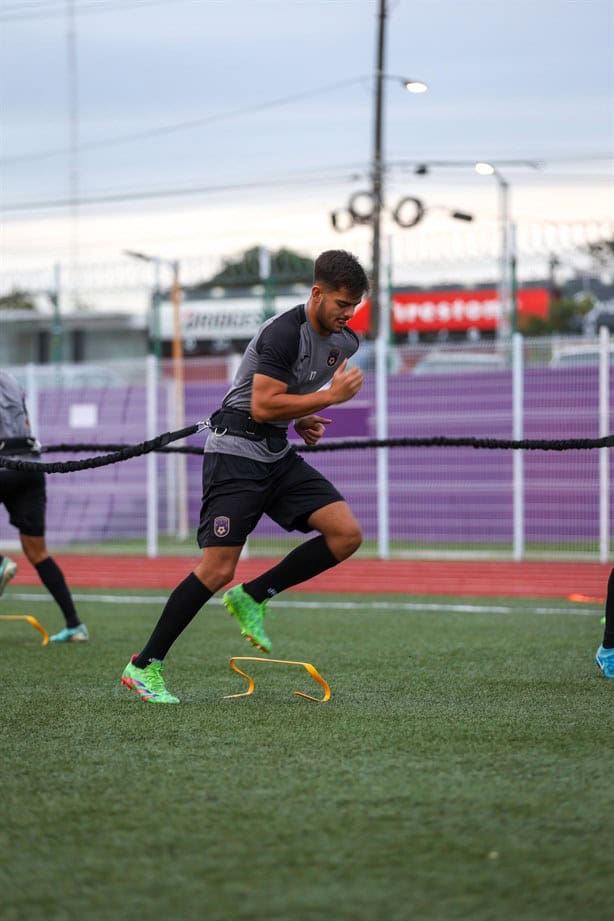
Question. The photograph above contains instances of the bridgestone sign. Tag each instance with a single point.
(228, 319)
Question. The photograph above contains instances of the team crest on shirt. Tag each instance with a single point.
(221, 526)
(333, 357)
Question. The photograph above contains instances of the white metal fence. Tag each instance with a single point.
(436, 502)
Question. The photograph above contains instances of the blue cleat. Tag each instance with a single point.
(605, 660)
(8, 568)
(71, 635)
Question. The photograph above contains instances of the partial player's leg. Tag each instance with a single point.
(8, 567)
(604, 656)
(52, 577)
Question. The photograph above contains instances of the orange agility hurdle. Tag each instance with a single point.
(306, 665)
(31, 620)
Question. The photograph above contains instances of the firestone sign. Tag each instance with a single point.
(456, 313)
(430, 311)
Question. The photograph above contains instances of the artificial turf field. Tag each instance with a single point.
(461, 770)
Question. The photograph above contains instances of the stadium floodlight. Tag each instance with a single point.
(415, 86)
(412, 86)
(485, 169)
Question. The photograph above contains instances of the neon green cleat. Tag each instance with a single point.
(8, 568)
(148, 682)
(250, 615)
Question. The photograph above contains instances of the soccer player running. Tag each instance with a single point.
(24, 495)
(250, 469)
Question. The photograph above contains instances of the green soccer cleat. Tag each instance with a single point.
(250, 615)
(8, 568)
(71, 635)
(148, 682)
(605, 660)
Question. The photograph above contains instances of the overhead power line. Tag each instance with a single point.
(182, 126)
(51, 9)
(345, 173)
(118, 197)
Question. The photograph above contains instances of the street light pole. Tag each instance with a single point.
(377, 178)
(487, 169)
(178, 373)
(504, 219)
(155, 342)
(156, 335)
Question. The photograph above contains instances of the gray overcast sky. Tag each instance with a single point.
(528, 79)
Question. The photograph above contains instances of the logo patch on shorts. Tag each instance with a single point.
(221, 526)
(333, 357)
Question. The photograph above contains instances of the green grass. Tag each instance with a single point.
(461, 770)
(276, 546)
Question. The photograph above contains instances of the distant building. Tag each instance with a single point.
(29, 336)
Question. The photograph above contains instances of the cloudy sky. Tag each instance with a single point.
(196, 128)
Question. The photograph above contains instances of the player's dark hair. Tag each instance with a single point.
(338, 269)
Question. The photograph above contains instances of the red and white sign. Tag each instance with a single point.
(430, 311)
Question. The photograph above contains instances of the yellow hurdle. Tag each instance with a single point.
(250, 689)
(31, 620)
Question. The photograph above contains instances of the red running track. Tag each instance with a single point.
(414, 577)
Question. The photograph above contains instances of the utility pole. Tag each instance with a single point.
(73, 160)
(377, 187)
(57, 344)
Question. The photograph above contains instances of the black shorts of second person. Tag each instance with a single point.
(238, 491)
(23, 493)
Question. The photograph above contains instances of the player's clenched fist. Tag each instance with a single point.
(345, 383)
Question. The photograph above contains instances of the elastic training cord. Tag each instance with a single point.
(160, 444)
(124, 452)
(441, 441)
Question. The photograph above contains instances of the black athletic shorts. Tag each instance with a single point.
(23, 493)
(238, 491)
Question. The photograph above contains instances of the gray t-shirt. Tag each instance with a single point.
(13, 412)
(287, 348)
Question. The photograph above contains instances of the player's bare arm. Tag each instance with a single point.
(271, 400)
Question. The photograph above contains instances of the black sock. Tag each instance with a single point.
(182, 606)
(52, 578)
(302, 563)
(608, 634)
